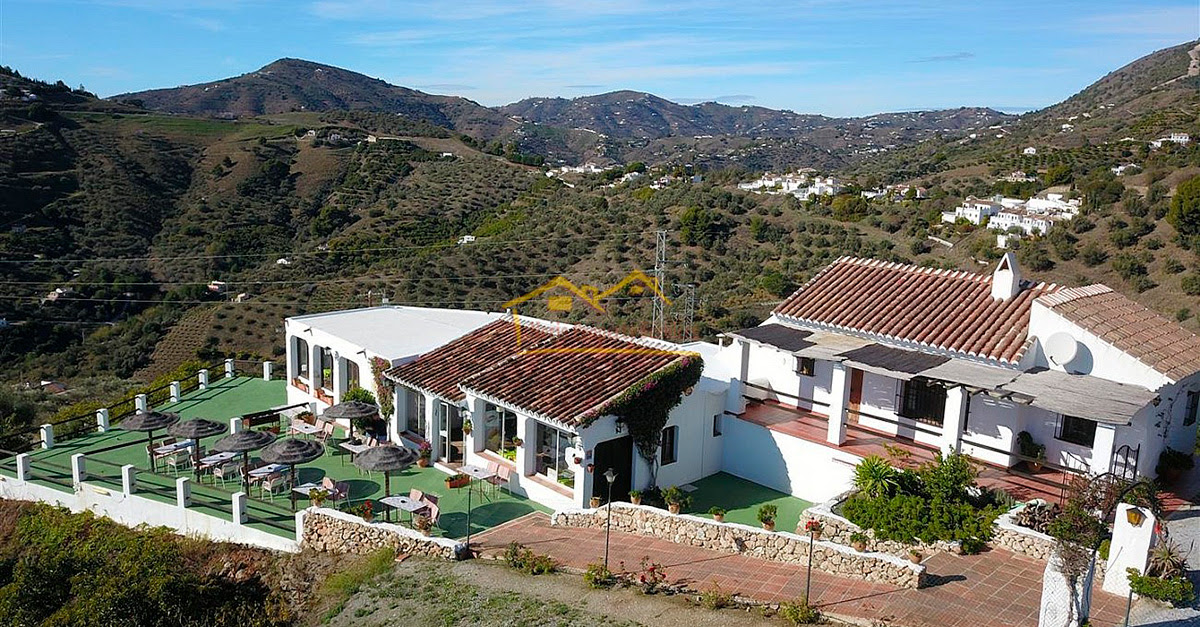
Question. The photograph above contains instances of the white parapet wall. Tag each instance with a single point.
(133, 510)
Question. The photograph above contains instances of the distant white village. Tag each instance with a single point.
(1032, 216)
(805, 184)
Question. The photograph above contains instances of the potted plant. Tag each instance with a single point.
(424, 452)
(717, 513)
(766, 516)
(517, 442)
(858, 540)
(422, 523)
(675, 499)
(915, 556)
(317, 497)
(1027, 447)
(814, 528)
(367, 512)
(468, 426)
(1172, 464)
(635, 497)
(594, 502)
(457, 481)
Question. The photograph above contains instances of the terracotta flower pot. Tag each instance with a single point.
(859, 546)
(368, 517)
(595, 502)
(673, 507)
(636, 500)
(816, 534)
(769, 526)
(422, 462)
(719, 517)
(914, 558)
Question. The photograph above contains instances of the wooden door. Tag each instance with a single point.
(856, 384)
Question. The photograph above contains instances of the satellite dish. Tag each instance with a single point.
(1061, 348)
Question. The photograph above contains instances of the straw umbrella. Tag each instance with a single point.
(290, 452)
(149, 421)
(386, 459)
(352, 411)
(195, 430)
(243, 442)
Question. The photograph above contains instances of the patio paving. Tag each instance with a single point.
(741, 499)
(229, 398)
(996, 588)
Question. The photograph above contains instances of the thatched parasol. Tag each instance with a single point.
(149, 421)
(243, 442)
(196, 429)
(386, 459)
(290, 452)
(351, 411)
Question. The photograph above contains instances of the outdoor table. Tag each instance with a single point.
(304, 488)
(353, 449)
(304, 428)
(216, 459)
(270, 469)
(167, 449)
(404, 504)
(476, 472)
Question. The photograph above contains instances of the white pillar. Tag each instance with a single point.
(239, 508)
(47, 436)
(300, 525)
(338, 372)
(431, 428)
(102, 419)
(176, 391)
(235, 425)
(527, 452)
(128, 479)
(141, 403)
(228, 368)
(202, 377)
(314, 368)
(312, 407)
(1129, 548)
(400, 418)
(78, 469)
(23, 464)
(183, 491)
(954, 418)
(268, 370)
(839, 393)
(478, 438)
(1102, 449)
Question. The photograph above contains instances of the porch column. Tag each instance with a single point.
(400, 418)
(428, 404)
(1102, 449)
(954, 418)
(314, 368)
(339, 377)
(229, 372)
(839, 393)
(475, 413)
(527, 452)
(290, 358)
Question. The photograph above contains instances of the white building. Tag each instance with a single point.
(1033, 215)
(1029, 151)
(1175, 138)
(973, 210)
(930, 360)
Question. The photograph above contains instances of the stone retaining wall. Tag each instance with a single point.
(1023, 540)
(325, 529)
(837, 529)
(784, 547)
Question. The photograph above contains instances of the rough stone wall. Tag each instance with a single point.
(782, 547)
(1018, 539)
(337, 532)
(837, 529)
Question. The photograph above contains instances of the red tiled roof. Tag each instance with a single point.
(441, 370)
(576, 371)
(946, 310)
(1147, 336)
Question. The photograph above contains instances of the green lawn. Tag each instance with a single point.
(233, 397)
(741, 500)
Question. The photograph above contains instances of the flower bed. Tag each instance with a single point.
(836, 528)
(788, 548)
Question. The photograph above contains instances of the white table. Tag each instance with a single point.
(475, 472)
(404, 504)
(303, 428)
(270, 469)
(216, 460)
(353, 449)
(305, 488)
(167, 449)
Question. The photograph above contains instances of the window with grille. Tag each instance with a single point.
(670, 445)
(923, 400)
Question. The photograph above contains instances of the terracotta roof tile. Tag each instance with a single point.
(573, 372)
(441, 370)
(947, 310)
(1149, 337)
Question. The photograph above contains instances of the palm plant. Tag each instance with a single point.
(874, 476)
(1167, 561)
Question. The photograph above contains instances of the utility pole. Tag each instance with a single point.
(660, 270)
(688, 315)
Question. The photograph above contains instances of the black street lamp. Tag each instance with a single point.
(610, 477)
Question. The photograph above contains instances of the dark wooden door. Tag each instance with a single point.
(856, 384)
(618, 455)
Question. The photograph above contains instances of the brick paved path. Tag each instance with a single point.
(996, 589)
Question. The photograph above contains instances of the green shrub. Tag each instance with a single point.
(799, 613)
(767, 513)
(715, 598)
(598, 577)
(874, 476)
(1173, 590)
(525, 560)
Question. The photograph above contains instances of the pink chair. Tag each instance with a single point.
(503, 475)
(338, 490)
(433, 514)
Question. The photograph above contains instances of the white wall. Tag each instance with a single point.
(806, 470)
(342, 350)
(1095, 357)
(776, 369)
(994, 423)
(133, 510)
(879, 399)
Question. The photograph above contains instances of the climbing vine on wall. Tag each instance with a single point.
(383, 387)
(645, 406)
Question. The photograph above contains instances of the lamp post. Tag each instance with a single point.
(610, 477)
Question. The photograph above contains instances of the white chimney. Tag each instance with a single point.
(1006, 279)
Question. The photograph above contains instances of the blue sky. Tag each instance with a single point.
(838, 57)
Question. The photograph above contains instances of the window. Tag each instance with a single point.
(324, 373)
(414, 420)
(301, 352)
(552, 445)
(670, 444)
(716, 425)
(1077, 430)
(923, 401)
(351, 374)
(499, 428)
(805, 366)
(1193, 405)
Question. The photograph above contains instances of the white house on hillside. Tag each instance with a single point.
(932, 359)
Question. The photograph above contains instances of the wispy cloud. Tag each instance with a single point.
(942, 58)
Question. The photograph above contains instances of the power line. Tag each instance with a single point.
(360, 279)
